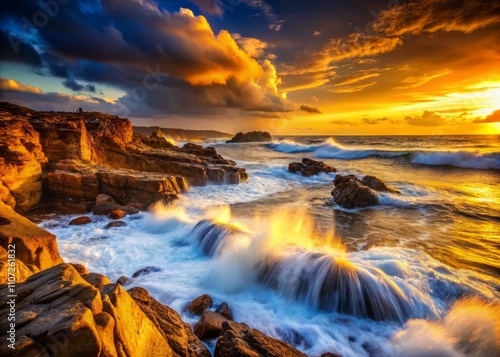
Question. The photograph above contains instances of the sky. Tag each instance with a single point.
(316, 67)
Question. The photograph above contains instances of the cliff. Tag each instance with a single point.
(73, 157)
(182, 134)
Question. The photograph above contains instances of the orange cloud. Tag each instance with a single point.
(12, 84)
(492, 118)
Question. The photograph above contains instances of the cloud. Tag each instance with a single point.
(140, 42)
(427, 118)
(431, 16)
(355, 78)
(373, 121)
(209, 6)
(78, 87)
(352, 88)
(316, 33)
(13, 85)
(492, 118)
(310, 109)
(344, 123)
(417, 81)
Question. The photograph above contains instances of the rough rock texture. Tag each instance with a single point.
(209, 326)
(61, 314)
(21, 160)
(252, 136)
(80, 221)
(243, 341)
(377, 184)
(178, 334)
(225, 311)
(78, 182)
(310, 167)
(200, 304)
(350, 192)
(35, 248)
(85, 154)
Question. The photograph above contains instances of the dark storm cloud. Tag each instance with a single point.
(15, 50)
(131, 44)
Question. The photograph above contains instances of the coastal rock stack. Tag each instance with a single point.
(253, 136)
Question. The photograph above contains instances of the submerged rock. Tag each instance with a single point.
(79, 221)
(253, 136)
(200, 304)
(105, 208)
(115, 224)
(350, 192)
(146, 271)
(243, 341)
(117, 214)
(309, 167)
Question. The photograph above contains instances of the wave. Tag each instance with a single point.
(330, 149)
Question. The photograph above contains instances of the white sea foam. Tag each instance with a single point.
(330, 149)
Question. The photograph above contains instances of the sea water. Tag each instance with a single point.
(417, 275)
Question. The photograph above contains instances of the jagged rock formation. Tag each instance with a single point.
(309, 167)
(35, 248)
(253, 136)
(73, 150)
(351, 192)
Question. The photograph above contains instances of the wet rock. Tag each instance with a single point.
(117, 214)
(178, 334)
(243, 341)
(225, 311)
(80, 269)
(102, 197)
(146, 271)
(309, 167)
(330, 354)
(123, 280)
(377, 184)
(115, 224)
(79, 221)
(60, 314)
(105, 208)
(36, 249)
(200, 304)
(253, 136)
(350, 192)
(209, 326)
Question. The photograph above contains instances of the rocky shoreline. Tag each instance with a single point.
(75, 162)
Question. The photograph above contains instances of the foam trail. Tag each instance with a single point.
(464, 159)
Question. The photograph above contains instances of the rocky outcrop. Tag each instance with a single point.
(179, 335)
(81, 183)
(35, 248)
(243, 341)
(21, 162)
(253, 136)
(350, 192)
(87, 153)
(309, 167)
(200, 304)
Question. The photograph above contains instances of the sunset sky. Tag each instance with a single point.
(316, 67)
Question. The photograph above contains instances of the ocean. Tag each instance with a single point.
(417, 275)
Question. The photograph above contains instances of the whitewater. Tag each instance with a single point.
(418, 275)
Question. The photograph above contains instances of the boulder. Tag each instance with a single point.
(60, 314)
(225, 311)
(117, 214)
(102, 197)
(35, 248)
(309, 167)
(378, 185)
(209, 326)
(80, 221)
(243, 341)
(123, 280)
(178, 334)
(146, 271)
(253, 136)
(105, 208)
(350, 192)
(330, 354)
(115, 224)
(200, 304)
